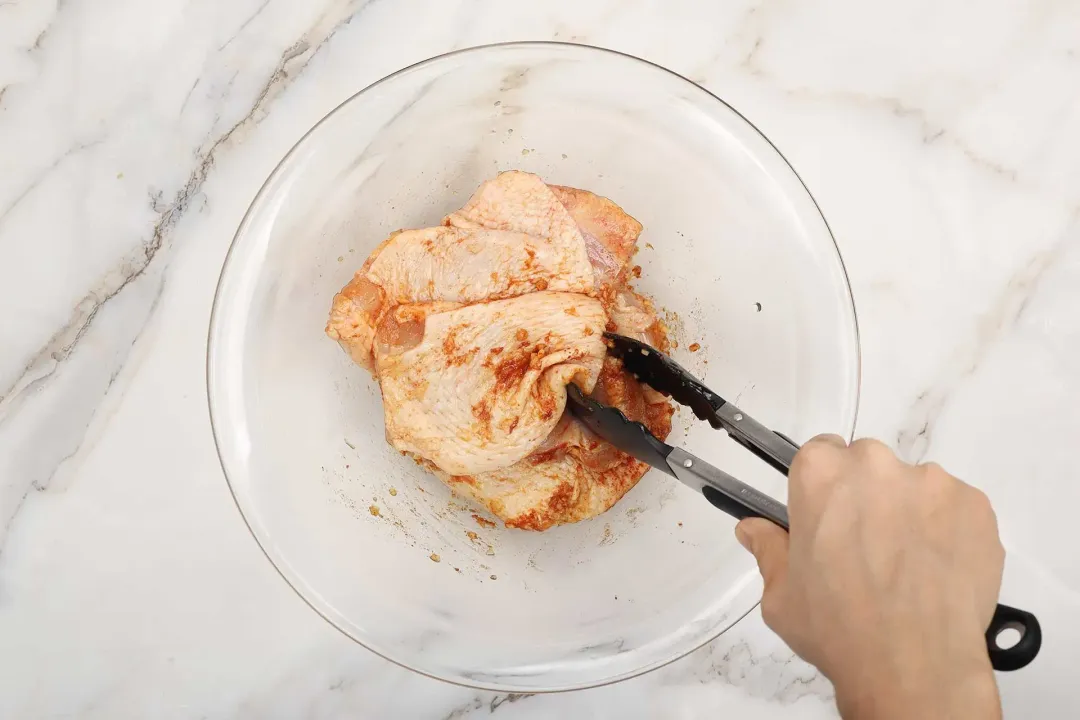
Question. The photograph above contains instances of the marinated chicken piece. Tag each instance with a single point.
(521, 201)
(356, 310)
(453, 265)
(551, 491)
(573, 475)
(473, 330)
(633, 316)
(478, 264)
(487, 382)
(610, 234)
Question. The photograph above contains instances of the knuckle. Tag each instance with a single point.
(873, 451)
(980, 501)
(815, 458)
(933, 479)
(977, 506)
(932, 470)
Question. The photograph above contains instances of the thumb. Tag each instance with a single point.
(768, 543)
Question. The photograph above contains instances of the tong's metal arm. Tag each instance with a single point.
(772, 447)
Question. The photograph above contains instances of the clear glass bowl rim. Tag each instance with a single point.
(210, 346)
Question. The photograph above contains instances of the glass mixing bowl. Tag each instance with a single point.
(736, 253)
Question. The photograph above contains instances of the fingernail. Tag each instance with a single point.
(742, 536)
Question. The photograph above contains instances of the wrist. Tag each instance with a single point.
(963, 687)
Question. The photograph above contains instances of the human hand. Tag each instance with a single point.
(887, 581)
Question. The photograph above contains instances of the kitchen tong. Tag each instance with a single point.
(725, 492)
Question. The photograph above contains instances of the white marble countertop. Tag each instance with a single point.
(942, 141)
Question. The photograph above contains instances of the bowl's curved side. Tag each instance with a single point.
(230, 387)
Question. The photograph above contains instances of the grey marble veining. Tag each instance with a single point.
(939, 139)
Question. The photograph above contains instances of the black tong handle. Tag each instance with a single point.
(1025, 649)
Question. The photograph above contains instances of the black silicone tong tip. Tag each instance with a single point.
(666, 376)
(610, 423)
